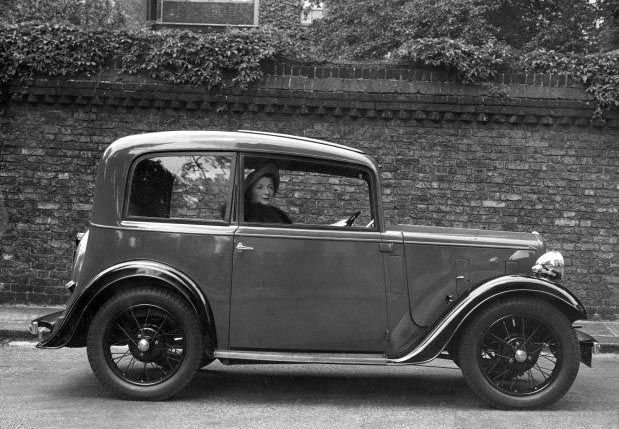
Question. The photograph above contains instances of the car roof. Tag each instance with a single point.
(248, 141)
(120, 155)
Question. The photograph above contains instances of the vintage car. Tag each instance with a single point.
(257, 247)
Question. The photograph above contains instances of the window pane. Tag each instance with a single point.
(181, 187)
(310, 194)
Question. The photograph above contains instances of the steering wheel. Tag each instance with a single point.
(352, 218)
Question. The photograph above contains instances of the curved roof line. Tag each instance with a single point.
(118, 157)
(306, 139)
(139, 144)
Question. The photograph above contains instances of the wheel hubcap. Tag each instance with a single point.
(520, 355)
(143, 345)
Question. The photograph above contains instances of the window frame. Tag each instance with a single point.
(146, 219)
(239, 197)
(157, 11)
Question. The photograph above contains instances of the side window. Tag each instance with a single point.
(306, 193)
(182, 187)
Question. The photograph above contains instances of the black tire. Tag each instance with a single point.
(519, 353)
(145, 344)
(452, 351)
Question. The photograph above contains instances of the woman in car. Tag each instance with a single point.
(261, 185)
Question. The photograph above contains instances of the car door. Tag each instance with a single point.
(310, 285)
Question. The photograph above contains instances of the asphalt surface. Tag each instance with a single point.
(56, 389)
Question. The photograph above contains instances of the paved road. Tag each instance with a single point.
(55, 388)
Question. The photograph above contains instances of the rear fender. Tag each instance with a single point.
(71, 328)
(466, 307)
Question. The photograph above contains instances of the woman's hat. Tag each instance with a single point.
(270, 170)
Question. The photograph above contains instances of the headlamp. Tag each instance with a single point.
(550, 266)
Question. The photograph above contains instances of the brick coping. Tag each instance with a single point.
(375, 97)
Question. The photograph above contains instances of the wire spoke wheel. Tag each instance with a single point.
(144, 344)
(519, 355)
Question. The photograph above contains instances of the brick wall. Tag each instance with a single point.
(520, 154)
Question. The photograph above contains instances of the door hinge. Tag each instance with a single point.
(387, 335)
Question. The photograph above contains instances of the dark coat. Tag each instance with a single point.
(255, 212)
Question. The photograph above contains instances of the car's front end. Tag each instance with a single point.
(452, 272)
(492, 302)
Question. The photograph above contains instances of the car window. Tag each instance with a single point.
(190, 187)
(307, 193)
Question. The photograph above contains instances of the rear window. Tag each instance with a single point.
(181, 187)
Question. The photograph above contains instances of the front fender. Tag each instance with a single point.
(71, 327)
(440, 333)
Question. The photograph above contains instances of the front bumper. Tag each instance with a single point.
(588, 347)
(44, 326)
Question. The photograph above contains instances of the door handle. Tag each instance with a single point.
(240, 247)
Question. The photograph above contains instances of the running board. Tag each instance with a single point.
(291, 357)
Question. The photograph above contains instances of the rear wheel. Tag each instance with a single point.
(520, 353)
(145, 343)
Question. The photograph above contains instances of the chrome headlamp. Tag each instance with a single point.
(550, 265)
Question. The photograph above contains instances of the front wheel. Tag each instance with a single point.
(520, 353)
(145, 343)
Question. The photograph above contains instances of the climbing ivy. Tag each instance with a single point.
(599, 73)
(182, 57)
(472, 64)
(280, 14)
(216, 60)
